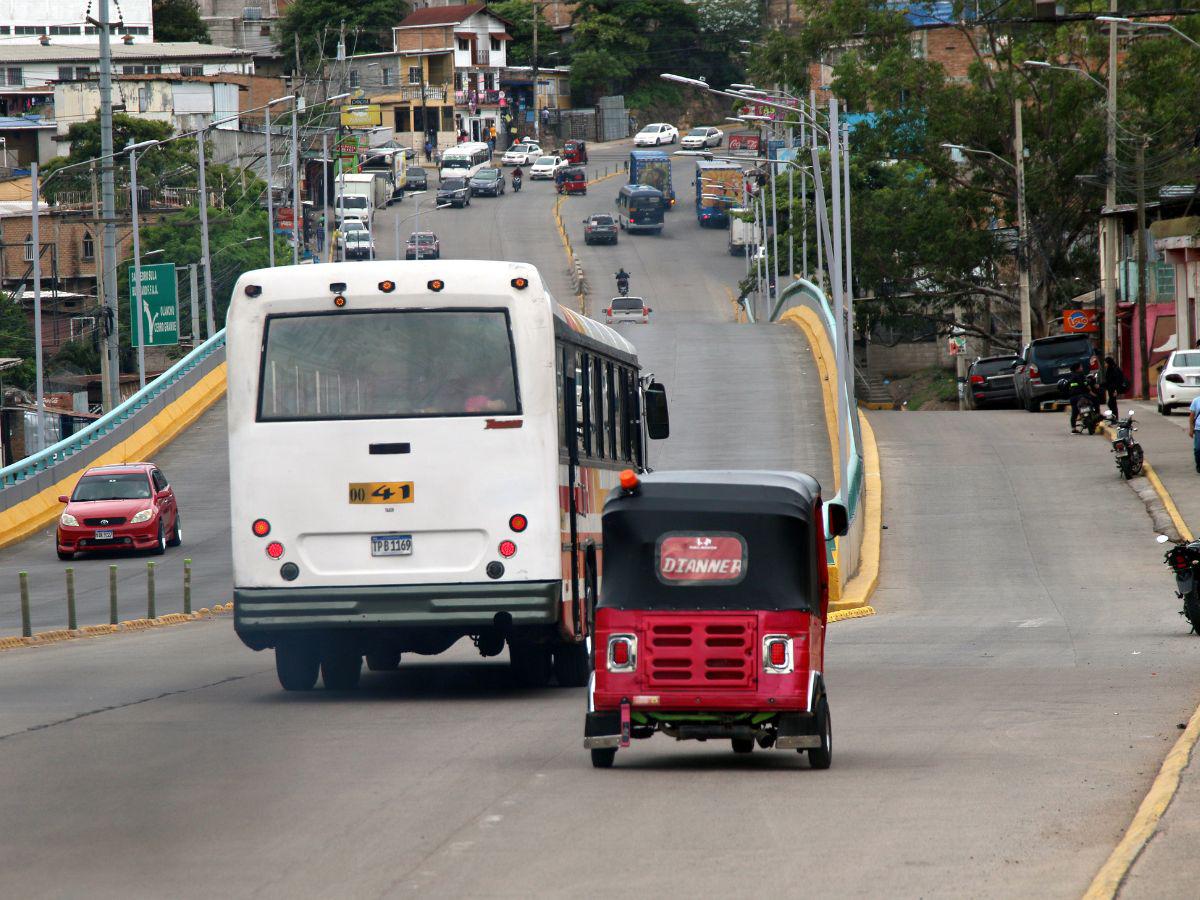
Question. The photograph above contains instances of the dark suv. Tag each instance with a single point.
(1046, 361)
(990, 381)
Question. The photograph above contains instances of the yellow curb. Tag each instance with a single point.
(26, 518)
(1145, 821)
(605, 177)
(860, 588)
(875, 405)
(1172, 509)
(806, 320)
(737, 307)
(97, 630)
(50, 637)
(11, 643)
(860, 613)
(64, 634)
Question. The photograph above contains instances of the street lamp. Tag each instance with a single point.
(136, 299)
(1165, 26)
(1042, 64)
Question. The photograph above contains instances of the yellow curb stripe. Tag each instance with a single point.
(859, 590)
(860, 613)
(806, 320)
(1167, 502)
(1108, 880)
(25, 519)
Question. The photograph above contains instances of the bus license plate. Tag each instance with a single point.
(391, 545)
(381, 492)
(104, 535)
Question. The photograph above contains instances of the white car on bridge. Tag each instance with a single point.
(654, 134)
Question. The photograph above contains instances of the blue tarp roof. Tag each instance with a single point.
(933, 12)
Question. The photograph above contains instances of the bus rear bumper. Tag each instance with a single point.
(260, 613)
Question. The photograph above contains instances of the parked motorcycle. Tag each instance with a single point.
(1184, 559)
(1125, 447)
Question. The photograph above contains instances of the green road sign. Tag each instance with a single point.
(160, 307)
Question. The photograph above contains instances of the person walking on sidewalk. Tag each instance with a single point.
(1115, 383)
(1193, 412)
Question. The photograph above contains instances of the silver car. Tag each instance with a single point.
(627, 309)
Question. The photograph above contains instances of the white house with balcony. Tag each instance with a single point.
(479, 41)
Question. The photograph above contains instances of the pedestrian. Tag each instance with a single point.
(1115, 383)
(428, 150)
(1193, 411)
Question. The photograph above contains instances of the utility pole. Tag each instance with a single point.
(1022, 224)
(110, 319)
(205, 259)
(297, 206)
(537, 122)
(106, 393)
(1143, 341)
(37, 312)
(1110, 242)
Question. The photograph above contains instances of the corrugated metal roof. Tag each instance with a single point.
(441, 15)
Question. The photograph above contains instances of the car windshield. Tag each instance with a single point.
(488, 175)
(698, 132)
(455, 163)
(390, 364)
(353, 202)
(453, 184)
(547, 161)
(644, 203)
(132, 486)
(994, 366)
(627, 303)
(416, 174)
(602, 220)
(1058, 352)
(354, 225)
(423, 239)
(1186, 361)
(522, 148)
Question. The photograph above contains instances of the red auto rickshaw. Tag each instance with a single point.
(571, 180)
(710, 622)
(575, 152)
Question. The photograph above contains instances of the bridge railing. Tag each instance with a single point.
(30, 475)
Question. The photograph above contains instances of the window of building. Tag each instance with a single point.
(66, 73)
(66, 29)
(143, 99)
(191, 70)
(12, 75)
(135, 29)
(464, 44)
(354, 78)
(414, 74)
(29, 248)
(489, 81)
(89, 246)
(153, 70)
(496, 45)
(29, 29)
(385, 75)
(4, 29)
(82, 73)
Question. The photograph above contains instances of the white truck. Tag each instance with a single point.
(374, 186)
(742, 236)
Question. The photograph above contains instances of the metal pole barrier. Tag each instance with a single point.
(151, 612)
(26, 630)
(71, 621)
(112, 595)
(187, 587)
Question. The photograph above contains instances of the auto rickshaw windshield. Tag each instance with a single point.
(677, 560)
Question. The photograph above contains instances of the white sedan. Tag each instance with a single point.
(521, 154)
(699, 138)
(545, 167)
(655, 134)
(1179, 382)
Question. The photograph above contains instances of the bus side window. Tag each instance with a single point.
(610, 396)
(619, 407)
(583, 388)
(635, 424)
(598, 392)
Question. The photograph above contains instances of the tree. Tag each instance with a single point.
(179, 20)
(16, 342)
(519, 14)
(170, 165)
(316, 23)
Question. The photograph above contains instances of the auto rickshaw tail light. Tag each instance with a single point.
(777, 654)
(622, 653)
(629, 481)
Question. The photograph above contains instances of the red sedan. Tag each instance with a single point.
(125, 507)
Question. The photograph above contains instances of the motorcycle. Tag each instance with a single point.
(1125, 447)
(516, 183)
(1183, 559)
(622, 286)
(1089, 408)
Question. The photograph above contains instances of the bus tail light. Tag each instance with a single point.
(275, 550)
(777, 654)
(622, 653)
(507, 549)
(261, 527)
(518, 523)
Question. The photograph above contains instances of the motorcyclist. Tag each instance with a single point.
(1080, 389)
(517, 177)
(622, 280)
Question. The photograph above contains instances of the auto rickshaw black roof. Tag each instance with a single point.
(771, 512)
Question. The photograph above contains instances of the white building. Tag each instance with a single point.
(39, 66)
(30, 21)
(185, 103)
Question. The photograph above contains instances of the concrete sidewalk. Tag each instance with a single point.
(1167, 866)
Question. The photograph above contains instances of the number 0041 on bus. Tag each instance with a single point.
(381, 492)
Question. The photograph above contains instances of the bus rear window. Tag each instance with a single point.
(392, 364)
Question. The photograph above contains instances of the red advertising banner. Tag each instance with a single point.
(744, 142)
(701, 559)
(1080, 320)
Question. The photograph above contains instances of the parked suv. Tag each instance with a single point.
(991, 381)
(1046, 361)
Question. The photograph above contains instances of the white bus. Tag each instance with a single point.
(419, 452)
(464, 160)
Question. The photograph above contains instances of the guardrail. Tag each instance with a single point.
(102, 432)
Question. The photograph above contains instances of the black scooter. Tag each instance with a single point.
(516, 183)
(623, 286)
(1184, 559)
(1125, 447)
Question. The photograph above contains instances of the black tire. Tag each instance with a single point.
(161, 547)
(822, 757)
(1091, 426)
(532, 664)
(1031, 405)
(65, 557)
(1167, 409)
(1191, 611)
(1136, 460)
(572, 665)
(603, 757)
(176, 534)
(297, 664)
(1126, 468)
(743, 745)
(384, 661)
(341, 666)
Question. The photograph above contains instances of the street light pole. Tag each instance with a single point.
(297, 206)
(270, 177)
(136, 299)
(1022, 224)
(205, 262)
(1110, 194)
(39, 387)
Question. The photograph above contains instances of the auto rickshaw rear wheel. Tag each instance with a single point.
(822, 757)
(603, 757)
(743, 745)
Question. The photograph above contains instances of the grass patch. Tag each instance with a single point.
(932, 386)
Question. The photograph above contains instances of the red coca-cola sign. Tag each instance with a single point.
(704, 558)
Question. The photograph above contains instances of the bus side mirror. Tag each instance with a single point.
(658, 423)
(838, 518)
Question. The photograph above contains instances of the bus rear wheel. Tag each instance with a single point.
(297, 663)
(531, 663)
(572, 665)
(341, 665)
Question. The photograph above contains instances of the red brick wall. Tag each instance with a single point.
(433, 37)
